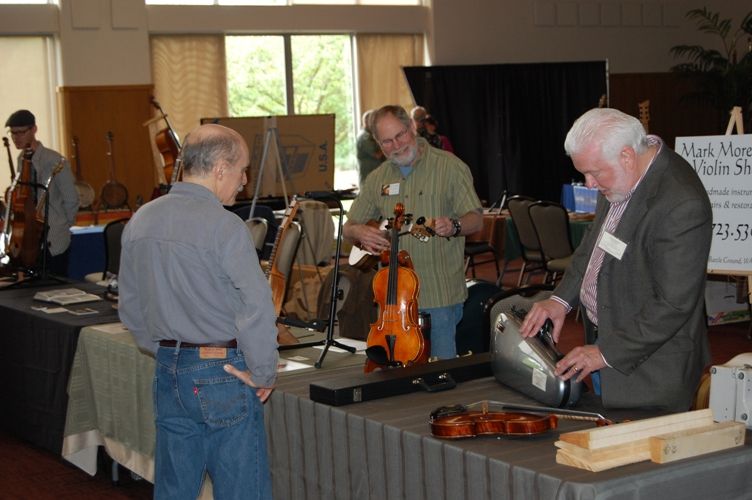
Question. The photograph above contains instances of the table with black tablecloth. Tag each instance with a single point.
(35, 361)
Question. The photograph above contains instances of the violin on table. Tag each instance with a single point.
(494, 418)
(395, 338)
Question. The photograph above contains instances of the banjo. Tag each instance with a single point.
(114, 194)
(85, 191)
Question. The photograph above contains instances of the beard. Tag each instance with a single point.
(404, 157)
(616, 197)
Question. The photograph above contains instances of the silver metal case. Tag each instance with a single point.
(527, 364)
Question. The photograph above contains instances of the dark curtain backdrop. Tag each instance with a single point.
(508, 121)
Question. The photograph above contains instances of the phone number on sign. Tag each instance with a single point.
(740, 232)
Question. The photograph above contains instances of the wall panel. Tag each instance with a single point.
(89, 113)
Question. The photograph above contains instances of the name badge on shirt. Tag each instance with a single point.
(390, 189)
(612, 245)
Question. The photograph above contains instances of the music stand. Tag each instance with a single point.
(335, 293)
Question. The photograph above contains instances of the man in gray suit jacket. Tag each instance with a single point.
(639, 274)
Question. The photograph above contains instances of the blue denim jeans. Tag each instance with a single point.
(443, 329)
(207, 421)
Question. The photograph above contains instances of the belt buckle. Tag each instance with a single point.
(212, 352)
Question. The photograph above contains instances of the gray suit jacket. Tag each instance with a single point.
(651, 317)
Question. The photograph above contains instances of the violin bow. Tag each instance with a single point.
(559, 412)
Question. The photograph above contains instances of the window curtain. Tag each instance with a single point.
(380, 62)
(28, 84)
(190, 79)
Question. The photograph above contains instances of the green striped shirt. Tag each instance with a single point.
(440, 184)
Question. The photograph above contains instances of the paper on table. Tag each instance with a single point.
(50, 310)
(287, 365)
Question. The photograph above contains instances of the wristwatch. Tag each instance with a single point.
(457, 227)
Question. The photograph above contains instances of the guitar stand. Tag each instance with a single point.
(336, 292)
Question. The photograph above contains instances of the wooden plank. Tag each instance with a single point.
(610, 435)
(564, 457)
(693, 442)
(639, 449)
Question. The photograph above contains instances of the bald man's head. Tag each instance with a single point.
(208, 145)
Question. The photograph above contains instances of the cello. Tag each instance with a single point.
(26, 226)
(169, 147)
(395, 338)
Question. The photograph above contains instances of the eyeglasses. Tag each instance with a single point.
(19, 132)
(388, 143)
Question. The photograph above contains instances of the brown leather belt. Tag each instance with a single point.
(232, 344)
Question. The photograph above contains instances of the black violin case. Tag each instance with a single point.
(432, 377)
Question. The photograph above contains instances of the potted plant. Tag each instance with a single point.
(724, 77)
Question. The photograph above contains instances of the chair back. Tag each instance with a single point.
(257, 227)
(518, 209)
(551, 223)
(113, 232)
(288, 248)
(318, 233)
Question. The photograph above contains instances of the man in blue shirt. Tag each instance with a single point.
(193, 293)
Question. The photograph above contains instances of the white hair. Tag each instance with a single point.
(611, 128)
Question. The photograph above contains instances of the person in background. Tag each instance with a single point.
(639, 274)
(431, 126)
(62, 198)
(433, 184)
(418, 115)
(368, 152)
(192, 292)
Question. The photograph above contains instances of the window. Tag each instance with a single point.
(29, 84)
(320, 81)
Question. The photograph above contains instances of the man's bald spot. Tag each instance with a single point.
(210, 130)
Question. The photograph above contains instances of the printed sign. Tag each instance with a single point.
(724, 163)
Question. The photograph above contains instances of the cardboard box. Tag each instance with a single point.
(306, 152)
